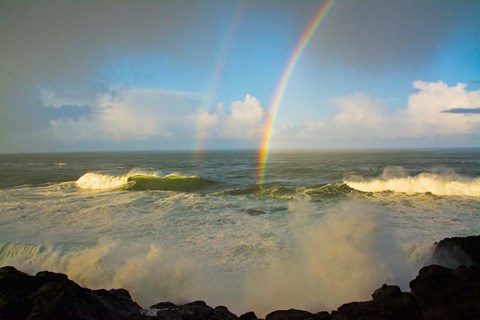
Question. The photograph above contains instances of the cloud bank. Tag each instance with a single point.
(147, 115)
(362, 121)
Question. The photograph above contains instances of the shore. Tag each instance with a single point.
(436, 293)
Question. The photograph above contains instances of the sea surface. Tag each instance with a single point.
(324, 228)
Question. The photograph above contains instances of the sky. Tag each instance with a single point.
(201, 75)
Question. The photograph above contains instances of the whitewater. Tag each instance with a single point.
(325, 228)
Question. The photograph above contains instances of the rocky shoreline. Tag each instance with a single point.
(436, 293)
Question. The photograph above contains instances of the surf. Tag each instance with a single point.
(395, 179)
(142, 181)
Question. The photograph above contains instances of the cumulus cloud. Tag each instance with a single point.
(149, 114)
(245, 119)
(363, 121)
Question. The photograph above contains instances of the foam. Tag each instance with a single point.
(442, 184)
(96, 181)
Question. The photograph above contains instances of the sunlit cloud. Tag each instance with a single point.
(152, 113)
(362, 119)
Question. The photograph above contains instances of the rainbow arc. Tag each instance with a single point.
(282, 85)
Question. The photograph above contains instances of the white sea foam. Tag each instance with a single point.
(96, 181)
(442, 183)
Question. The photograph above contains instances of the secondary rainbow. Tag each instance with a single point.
(279, 92)
(218, 65)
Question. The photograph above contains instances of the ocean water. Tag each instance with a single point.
(325, 228)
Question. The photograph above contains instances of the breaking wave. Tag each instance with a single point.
(138, 180)
(396, 179)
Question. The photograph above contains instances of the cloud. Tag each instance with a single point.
(365, 122)
(66, 45)
(154, 115)
(245, 119)
(463, 110)
(388, 34)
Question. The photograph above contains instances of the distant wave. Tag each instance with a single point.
(137, 180)
(442, 184)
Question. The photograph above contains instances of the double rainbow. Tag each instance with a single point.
(280, 91)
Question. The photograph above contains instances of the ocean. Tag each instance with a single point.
(324, 228)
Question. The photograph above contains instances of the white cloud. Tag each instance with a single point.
(245, 119)
(425, 109)
(366, 122)
(151, 113)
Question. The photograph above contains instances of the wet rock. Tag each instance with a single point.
(53, 296)
(222, 313)
(291, 314)
(248, 316)
(164, 305)
(444, 293)
(388, 303)
(457, 251)
(323, 315)
(198, 310)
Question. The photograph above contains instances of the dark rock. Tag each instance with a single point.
(171, 314)
(198, 310)
(323, 315)
(443, 293)
(457, 251)
(222, 313)
(291, 314)
(387, 292)
(248, 316)
(388, 303)
(198, 303)
(53, 296)
(164, 305)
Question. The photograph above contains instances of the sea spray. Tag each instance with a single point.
(341, 257)
(150, 273)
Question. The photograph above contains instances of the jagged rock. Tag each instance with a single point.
(53, 296)
(290, 314)
(222, 313)
(198, 310)
(164, 305)
(323, 315)
(457, 251)
(388, 303)
(444, 293)
(248, 316)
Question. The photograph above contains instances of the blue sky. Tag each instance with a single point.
(157, 75)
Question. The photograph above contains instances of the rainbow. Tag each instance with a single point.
(279, 92)
(219, 63)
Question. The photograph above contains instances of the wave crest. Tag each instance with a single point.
(96, 181)
(139, 180)
(442, 184)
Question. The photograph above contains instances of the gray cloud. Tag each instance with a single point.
(63, 44)
(463, 110)
(378, 34)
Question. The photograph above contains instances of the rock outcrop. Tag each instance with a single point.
(458, 251)
(53, 296)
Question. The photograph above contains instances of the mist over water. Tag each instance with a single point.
(324, 229)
